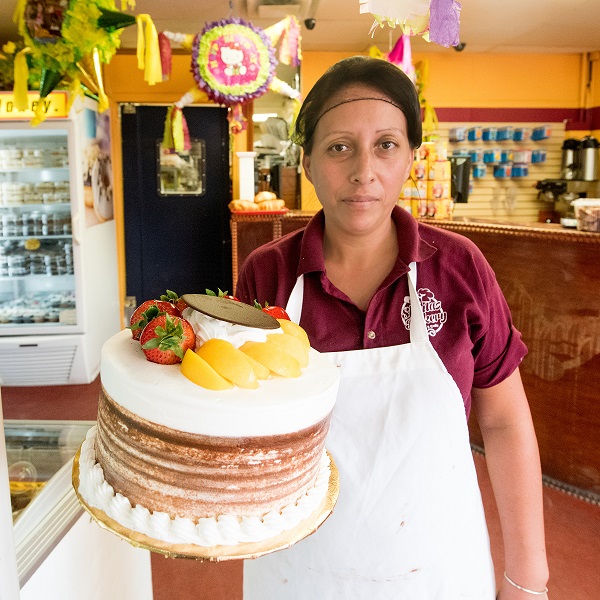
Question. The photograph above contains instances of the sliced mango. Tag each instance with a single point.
(197, 370)
(271, 356)
(228, 362)
(261, 371)
(294, 329)
(290, 345)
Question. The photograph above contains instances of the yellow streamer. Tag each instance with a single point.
(40, 114)
(375, 52)
(148, 53)
(177, 129)
(102, 97)
(21, 75)
(75, 90)
(18, 15)
(430, 120)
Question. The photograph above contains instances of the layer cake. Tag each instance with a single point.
(187, 465)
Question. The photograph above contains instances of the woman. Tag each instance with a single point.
(415, 318)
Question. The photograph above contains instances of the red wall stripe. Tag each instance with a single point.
(575, 119)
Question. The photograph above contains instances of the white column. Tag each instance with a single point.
(246, 175)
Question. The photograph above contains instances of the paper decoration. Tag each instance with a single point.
(437, 21)
(69, 41)
(234, 62)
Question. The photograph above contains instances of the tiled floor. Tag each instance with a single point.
(572, 525)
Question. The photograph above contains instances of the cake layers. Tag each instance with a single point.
(193, 475)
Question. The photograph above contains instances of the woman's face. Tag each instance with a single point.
(359, 161)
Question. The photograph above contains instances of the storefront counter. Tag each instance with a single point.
(551, 279)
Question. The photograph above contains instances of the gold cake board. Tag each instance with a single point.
(245, 550)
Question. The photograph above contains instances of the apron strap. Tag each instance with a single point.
(294, 304)
(418, 327)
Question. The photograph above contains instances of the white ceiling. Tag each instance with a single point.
(522, 26)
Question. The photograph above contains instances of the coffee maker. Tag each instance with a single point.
(569, 168)
(580, 159)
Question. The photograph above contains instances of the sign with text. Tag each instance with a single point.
(55, 106)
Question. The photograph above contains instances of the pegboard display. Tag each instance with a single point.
(510, 158)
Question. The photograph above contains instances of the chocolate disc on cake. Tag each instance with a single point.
(231, 311)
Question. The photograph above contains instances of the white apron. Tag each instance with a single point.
(409, 522)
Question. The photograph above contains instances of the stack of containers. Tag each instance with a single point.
(427, 192)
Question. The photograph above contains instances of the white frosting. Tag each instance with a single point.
(162, 395)
(206, 327)
(224, 530)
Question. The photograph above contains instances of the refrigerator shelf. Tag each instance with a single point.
(35, 169)
(65, 236)
(36, 205)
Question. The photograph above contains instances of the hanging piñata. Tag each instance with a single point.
(234, 62)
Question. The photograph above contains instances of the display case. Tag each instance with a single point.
(59, 552)
(37, 274)
(44, 507)
(58, 260)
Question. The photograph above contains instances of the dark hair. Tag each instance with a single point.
(372, 72)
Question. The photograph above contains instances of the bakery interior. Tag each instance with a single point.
(513, 123)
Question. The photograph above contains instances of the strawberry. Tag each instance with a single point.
(275, 311)
(179, 303)
(222, 294)
(147, 311)
(165, 339)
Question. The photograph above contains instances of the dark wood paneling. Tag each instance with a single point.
(551, 280)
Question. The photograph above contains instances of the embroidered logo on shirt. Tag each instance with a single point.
(435, 315)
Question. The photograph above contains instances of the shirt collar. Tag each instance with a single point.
(411, 246)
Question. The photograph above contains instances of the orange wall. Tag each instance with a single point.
(484, 80)
(464, 80)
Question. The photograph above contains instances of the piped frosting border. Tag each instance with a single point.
(224, 530)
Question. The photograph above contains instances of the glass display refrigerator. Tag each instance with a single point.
(56, 551)
(58, 259)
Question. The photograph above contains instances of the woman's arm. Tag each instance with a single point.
(513, 463)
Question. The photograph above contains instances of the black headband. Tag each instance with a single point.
(355, 100)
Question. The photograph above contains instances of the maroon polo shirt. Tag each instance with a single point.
(468, 320)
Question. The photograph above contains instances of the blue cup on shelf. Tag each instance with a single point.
(488, 134)
(492, 156)
(474, 134)
(538, 156)
(503, 171)
(457, 134)
(504, 134)
(520, 134)
(519, 170)
(476, 155)
(541, 133)
(479, 170)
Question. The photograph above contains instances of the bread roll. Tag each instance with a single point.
(242, 205)
(262, 196)
(276, 204)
